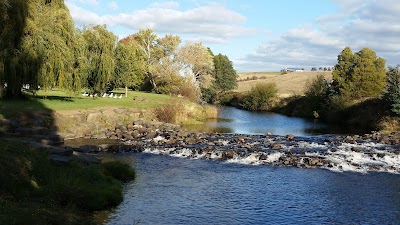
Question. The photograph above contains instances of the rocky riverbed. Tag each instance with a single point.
(358, 153)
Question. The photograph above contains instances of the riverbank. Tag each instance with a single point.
(39, 188)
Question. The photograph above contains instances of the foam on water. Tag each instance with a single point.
(342, 157)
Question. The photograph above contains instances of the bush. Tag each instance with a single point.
(169, 113)
(118, 170)
(190, 91)
(208, 94)
(260, 97)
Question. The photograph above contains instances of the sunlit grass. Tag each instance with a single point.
(58, 100)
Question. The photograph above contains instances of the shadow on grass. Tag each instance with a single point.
(54, 98)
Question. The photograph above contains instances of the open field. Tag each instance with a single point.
(57, 100)
(288, 84)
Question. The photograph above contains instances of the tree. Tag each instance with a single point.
(359, 75)
(392, 94)
(130, 65)
(100, 50)
(37, 50)
(197, 60)
(225, 77)
(156, 50)
(13, 19)
(314, 69)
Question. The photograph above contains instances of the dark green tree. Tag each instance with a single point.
(225, 77)
(392, 94)
(38, 46)
(359, 75)
(100, 52)
(13, 71)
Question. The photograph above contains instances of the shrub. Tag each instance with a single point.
(208, 94)
(190, 91)
(260, 97)
(118, 170)
(168, 113)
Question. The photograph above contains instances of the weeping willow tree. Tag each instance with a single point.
(100, 50)
(40, 46)
(56, 43)
(13, 21)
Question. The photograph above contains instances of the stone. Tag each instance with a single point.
(290, 137)
(276, 146)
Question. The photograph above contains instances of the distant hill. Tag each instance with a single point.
(288, 84)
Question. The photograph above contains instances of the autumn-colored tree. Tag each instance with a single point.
(197, 61)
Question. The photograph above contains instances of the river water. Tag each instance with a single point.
(232, 120)
(175, 190)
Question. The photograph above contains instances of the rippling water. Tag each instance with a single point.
(186, 191)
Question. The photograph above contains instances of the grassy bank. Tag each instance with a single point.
(34, 190)
(58, 100)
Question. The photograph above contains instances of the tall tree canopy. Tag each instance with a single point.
(224, 74)
(197, 60)
(37, 50)
(359, 75)
(130, 65)
(157, 51)
(12, 25)
(100, 50)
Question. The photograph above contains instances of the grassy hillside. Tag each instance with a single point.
(288, 84)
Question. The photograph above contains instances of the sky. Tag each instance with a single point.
(259, 35)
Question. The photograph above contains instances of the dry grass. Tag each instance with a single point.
(287, 84)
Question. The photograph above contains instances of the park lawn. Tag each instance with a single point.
(58, 100)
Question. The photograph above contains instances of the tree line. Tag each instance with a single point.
(40, 45)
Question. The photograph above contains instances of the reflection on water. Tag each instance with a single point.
(234, 120)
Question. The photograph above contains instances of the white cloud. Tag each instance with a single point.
(113, 5)
(165, 5)
(212, 22)
(358, 24)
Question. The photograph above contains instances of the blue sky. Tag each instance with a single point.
(259, 35)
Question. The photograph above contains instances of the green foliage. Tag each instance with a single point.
(260, 97)
(130, 65)
(100, 50)
(224, 75)
(392, 95)
(208, 94)
(55, 193)
(37, 50)
(359, 75)
(118, 170)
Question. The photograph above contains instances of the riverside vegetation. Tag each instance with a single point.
(362, 95)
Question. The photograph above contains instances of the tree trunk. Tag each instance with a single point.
(126, 91)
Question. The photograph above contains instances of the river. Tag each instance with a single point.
(174, 190)
(233, 120)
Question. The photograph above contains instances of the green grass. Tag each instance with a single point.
(34, 190)
(58, 100)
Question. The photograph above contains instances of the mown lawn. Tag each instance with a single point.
(58, 100)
